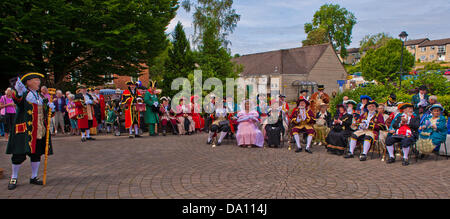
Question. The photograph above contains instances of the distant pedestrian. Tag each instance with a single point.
(8, 111)
(60, 111)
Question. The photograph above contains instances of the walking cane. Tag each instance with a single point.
(52, 92)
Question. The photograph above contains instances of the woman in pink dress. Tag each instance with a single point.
(248, 133)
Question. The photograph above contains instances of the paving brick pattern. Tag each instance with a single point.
(175, 167)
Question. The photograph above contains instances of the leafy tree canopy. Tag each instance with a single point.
(315, 37)
(338, 23)
(383, 64)
(374, 41)
(220, 12)
(82, 38)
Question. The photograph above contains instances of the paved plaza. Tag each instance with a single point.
(175, 167)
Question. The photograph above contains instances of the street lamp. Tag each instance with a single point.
(403, 37)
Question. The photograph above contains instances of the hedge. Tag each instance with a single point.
(381, 93)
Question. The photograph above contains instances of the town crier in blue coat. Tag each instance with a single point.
(28, 135)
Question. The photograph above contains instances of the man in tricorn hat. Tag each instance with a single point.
(304, 94)
(29, 135)
(85, 113)
(420, 99)
(303, 120)
(151, 114)
(369, 124)
(318, 98)
(99, 108)
(404, 130)
(129, 99)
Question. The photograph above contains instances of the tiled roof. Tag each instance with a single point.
(287, 61)
(416, 42)
(440, 42)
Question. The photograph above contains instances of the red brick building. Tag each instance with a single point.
(120, 81)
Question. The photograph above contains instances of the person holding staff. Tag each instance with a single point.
(29, 133)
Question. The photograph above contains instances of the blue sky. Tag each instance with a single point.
(267, 25)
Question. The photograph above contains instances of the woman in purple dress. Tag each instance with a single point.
(248, 133)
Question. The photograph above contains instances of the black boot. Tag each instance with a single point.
(36, 181)
(349, 155)
(363, 157)
(390, 160)
(405, 162)
(164, 128)
(12, 184)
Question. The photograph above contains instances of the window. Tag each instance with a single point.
(422, 58)
(109, 77)
(424, 49)
(412, 47)
(431, 56)
(432, 48)
(134, 79)
(441, 49)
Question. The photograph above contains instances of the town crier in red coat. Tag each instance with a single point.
(130, 98)
(84, 103)
(101, 102)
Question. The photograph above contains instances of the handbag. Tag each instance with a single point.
(72, 113)
(425, 146)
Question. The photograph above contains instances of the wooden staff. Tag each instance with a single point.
(52, 92)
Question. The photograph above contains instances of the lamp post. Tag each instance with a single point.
(403, 37)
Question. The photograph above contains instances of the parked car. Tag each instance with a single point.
(447, 72)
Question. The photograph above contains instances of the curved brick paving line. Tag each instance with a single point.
(185, 167)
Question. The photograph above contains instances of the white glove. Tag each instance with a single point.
(20, 87)
(89, 102)
(155, 104)
(51, 105)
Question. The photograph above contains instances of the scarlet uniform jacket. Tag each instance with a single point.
(83, 119)
(101, 101)
(128, 99)
(22, 139)
(376, 123)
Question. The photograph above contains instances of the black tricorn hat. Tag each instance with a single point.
(130, 83)
(372, 102)
(321, 87)
(423, 87)
(393, 96)
(405, 105)
(341, 105)
(27, 76)
(303, 91)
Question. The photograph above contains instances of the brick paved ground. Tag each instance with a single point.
(185, 167)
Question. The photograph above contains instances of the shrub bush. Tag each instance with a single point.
(380, 93)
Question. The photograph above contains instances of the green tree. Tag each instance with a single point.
(436, 83)
(180, 61)
(383, 64)
(374, 41)
(82, 39)
(338, 23)
(214, 20)
(214, 59)
(220, 12)
(315, 37)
